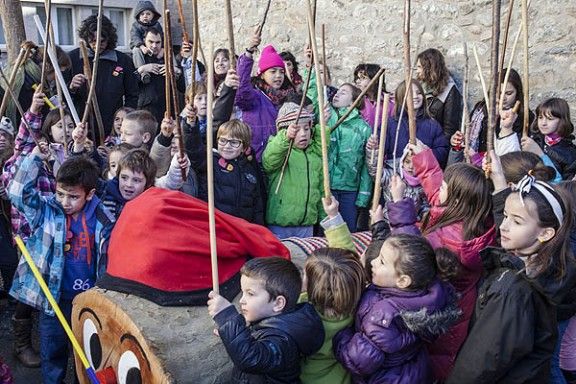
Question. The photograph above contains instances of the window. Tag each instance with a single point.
(64, 34)
(41, 12)
(118, 19)
(2, 37)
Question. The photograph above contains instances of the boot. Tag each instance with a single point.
(23, 343)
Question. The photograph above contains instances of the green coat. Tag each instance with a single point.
(346, 151)
(298, 201)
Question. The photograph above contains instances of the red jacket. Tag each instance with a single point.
(444, 350)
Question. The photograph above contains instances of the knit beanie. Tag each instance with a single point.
(6, 126)
(288, 113)
(269, 59)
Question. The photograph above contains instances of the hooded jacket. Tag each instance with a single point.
(138, 30)
(390, 332)
(402, 218)
(270, 350)
(562, 154)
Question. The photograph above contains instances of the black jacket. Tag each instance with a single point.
(116, 85)
(238, 184)
(563, 155)
(449, 112)
(138, 30)
(270, 350)
(513, 331)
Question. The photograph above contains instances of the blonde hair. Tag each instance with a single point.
(335, 279)
(237, 129)
(198, 89)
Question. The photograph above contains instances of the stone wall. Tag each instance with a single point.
(371, 31)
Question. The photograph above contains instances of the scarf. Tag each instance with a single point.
(552, 139)
(33, 70)
(276, 96)
(475, 129)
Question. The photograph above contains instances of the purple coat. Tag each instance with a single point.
(258, 111)
(391, 327)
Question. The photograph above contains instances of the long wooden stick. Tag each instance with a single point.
(167, 56)
(408, 74)
(182, 21)
(324, 66)
(60, 98)
(505, 41)
(88, 73)
(230, 28)
(380, 161)
(48, 9)
(22, 55)
(321, 103)
(507, 75)
(210, 170)
(465, 116)
(359, 98)
(526, 85)
(261, 27)
(377, 114)
(494, 74)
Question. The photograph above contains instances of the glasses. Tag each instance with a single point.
(234, 143)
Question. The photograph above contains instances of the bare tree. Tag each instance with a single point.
(13, 24)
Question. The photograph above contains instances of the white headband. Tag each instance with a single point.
(526, 184)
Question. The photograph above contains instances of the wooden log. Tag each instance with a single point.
(119, 332)
(380, 161)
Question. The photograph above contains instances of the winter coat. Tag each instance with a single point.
(116, 84)
(258, 111)
(269, 351)
(298, 201)
(562, 154)
(446, 108)
(238, 183)
(428, 131)
(403, 218)
(368, 111)
(513, 331)
(110, 196)
(138, 30)
(46, 244)
(387, 344)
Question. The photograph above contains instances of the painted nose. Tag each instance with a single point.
(107, 376)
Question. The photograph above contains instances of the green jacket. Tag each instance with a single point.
(346, 155)
(298, 201)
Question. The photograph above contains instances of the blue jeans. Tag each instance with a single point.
(54, 345)
(556, 376)
(348, 210)
(286, 232)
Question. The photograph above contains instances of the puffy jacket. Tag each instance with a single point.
(562, 154)
(392, 325)
(270, 350)
(402, 218)
(258, 111)
(513, 331)
(298, 201)
(138, 30)
(446, 108)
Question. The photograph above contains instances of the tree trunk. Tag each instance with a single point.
(13, 24)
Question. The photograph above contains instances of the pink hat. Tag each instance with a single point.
(269, 59)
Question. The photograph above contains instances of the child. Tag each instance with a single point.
(291, 66)
(138, 128)
(69, 229)
(114, 157)
(238, 184)
(6, 135)
(114, 136)
(405, 307)
(516, 165)
(146, 17)
(363, 74)
(460, 219)
(513, 332)
(270, 335)
(552, 132)
(195, 110)
(294, 210)
(260, 98)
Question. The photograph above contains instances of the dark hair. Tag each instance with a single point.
(155, 31)
(558, 108)
(279, 276)
(296, 98)
(223, 51)
(88, 27)
(469, 200)
(372, 252)
(517, 164)
(369, 70)
(52, 118)
(434, 70)
(145, 120)
(288, 56)
(138, 160)
(355, 93)
(334, 281)
(123, 148)
(516, 81)
(78, 171)
(400, 94)
(62, 59)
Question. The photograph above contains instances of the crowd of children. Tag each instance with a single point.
(470, 276)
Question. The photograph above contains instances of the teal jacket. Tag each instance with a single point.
(298, 201)
(346, 155)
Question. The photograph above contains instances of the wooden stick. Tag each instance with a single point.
(408, 74)
(359, 98)
(377, 114)
(169, 63)
(505, 41)
(48, 9)
(182, 21)
(465, 117)
(92, 90)
(167, 56)
(88, 74)
(324, 66)
(496, 5)
(380, 161)
(230, 27)
(59, 96)
(507, 75)
(526, 79)
(22, 55)
(195, 47)
(210, 170)
(482, 82)
(261, 27)
(321, 103)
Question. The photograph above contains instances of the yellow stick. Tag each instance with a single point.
(46, 99)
